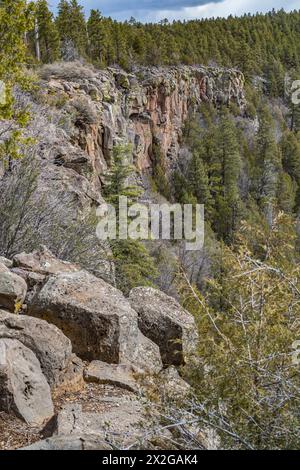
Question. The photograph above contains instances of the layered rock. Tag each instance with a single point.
(72, 442)
(113, 106)
(166, 323)
(121, 426)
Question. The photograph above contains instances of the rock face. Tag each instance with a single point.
(97, 318)
(23, 387)
(166, 323)
(151, 103)
(12, 289)
(52, 348)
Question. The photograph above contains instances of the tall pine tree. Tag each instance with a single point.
(72, 29)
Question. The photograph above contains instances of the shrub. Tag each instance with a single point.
(29, 219)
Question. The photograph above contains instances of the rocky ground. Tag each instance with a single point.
(77, 358)
(95, 398)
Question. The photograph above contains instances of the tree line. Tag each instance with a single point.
(261, 44)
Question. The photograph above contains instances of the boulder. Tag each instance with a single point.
(42, 261)
(119, 375)
(7, 262)
(23, 387)
(4, 268)
(172, 386)
(72, 442)
(12, 289)
(97, 318)
(166, 323)
(52, 348)
(31, 278)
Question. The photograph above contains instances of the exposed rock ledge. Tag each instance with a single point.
(67, 310)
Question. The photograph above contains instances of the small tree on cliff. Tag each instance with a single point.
(134, 265)
(118, 176)
(159, 169)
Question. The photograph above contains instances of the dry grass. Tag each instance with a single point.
(67, 71)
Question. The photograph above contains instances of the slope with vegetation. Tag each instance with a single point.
(196, 134)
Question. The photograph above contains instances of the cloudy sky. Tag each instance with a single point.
(155, 10)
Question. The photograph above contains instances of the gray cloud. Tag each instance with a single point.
(127, 5)
(154, 10)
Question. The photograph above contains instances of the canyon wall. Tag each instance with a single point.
(134, 108)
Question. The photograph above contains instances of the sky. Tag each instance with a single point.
(156, 10)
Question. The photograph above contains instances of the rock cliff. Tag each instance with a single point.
(113, 106)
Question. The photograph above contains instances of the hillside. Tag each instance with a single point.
(141, 343)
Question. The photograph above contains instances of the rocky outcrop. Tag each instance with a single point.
(23, 387)
(172, 386)
(12, 289)
(97, 318)
(166, 323)
(127, 340)
(114, 106)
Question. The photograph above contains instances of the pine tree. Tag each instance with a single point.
(116, 179)
(72, 29)
(134, 265)
(228, 203)
(290, 147)
(48, 35)
(286, 193)
(268, 163)
(159, 170)
(199, 181)
(97, 37)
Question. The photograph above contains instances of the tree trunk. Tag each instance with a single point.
(37, 42)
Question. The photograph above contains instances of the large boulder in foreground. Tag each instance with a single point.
(52, 348)
(166, 323)
(23, 387)
(12, 289)
(97, 318)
